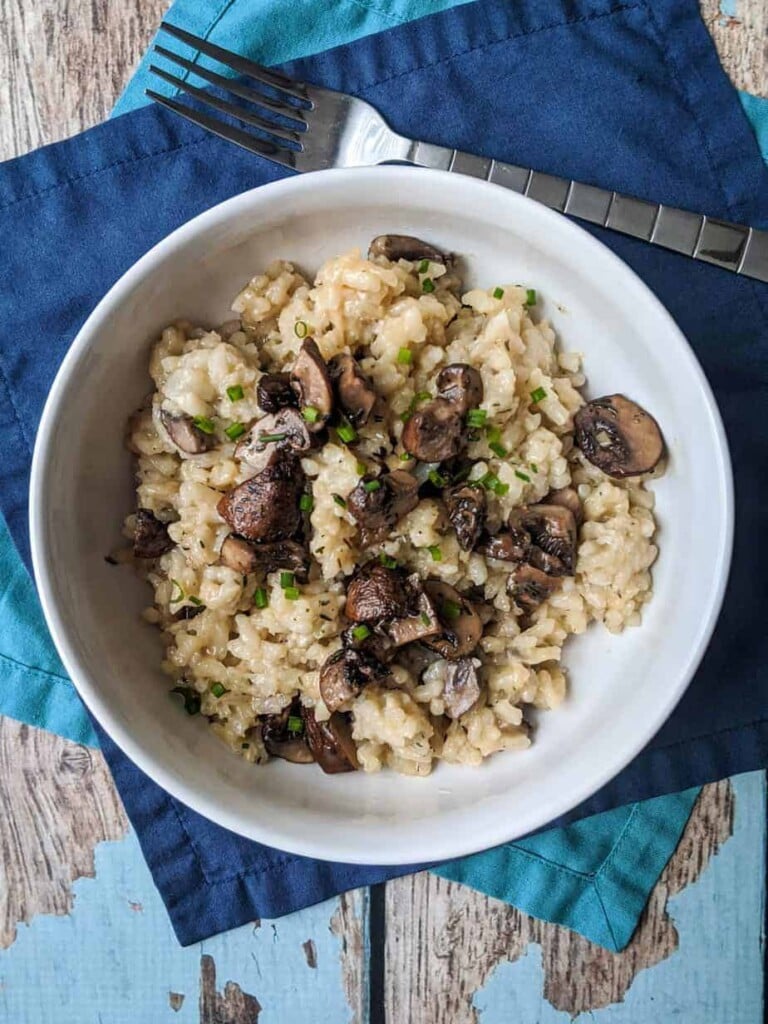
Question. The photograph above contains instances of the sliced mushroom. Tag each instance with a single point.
(376, 594)
(461, 690)
(435, 432)
(406, 247)
(354, 391)
(466, 507)
(266, 507)
(150, 536)
(421, 621)
(568, 498)
(460, 626)
(345, 674)
(462, 385)
(312, 384)
(284, 429)
(274, 392)
(510, 545)
(377, 510)
(185, 435)
(281, 737)
(618, 436)
(552, 529)
(529, 587)
(331, 742)
(245, 557)
(375, 642)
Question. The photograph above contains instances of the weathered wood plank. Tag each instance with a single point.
(740, 31)
(443, 940)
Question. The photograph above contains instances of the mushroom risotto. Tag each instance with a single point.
(374, 507)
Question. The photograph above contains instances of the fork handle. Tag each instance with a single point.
(735, 247)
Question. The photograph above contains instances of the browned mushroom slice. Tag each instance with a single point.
(618, 436)
(568, 498)
(460, 625)
(345, 674)
(510, 545)
(245, 557)
(435, 432)
(529, 587)
(331, 742)
(266, 507)
(466, 507)
(420, 622)
(274, 392)
(185, 435)
(285, 735)
(552, 529)
(369, 638)
(354, 391)
(462, 385)
(312, 384)
(150, 536)
(377, 503)
(462, 688)
(376, 594)
(284, 429)
(406, 247)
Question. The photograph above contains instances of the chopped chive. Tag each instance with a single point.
(347, 433)
(522, 476)
(424, 266)
(493, 434)
(405, 457)
(435, 551)
(534, 467)
(421, 396)
(260, 598)
(498, 293)
(405, 357)
(387, 561)
(361, 632)
(191, 699)
(300, 329)
(538, 394)
(295, 724)
(372, 485)
(489, 481)
(268, 438)
(174, 599)
(436, 478)
(235, 393)
(234, 430)
(427, 285)
(195, 601)
(292, 593)
(310, 413)
(501, 489)
(287, 579)
(361, 468)
(306, 503)
(405, 416)
(498, 449)
(425, 618)
(451, 610)
(218, 690)
(530, 297)
(476, 417)
(339, 500)
(204, 424)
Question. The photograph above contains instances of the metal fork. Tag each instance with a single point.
(308, 128)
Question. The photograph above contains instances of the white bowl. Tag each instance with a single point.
(622, 688)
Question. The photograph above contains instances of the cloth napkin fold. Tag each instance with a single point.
(646, 93)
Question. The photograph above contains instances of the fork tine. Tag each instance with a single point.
(230, 85)
(238, 63)
(274, 130)
(272, 152)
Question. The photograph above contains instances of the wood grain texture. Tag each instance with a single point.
(740, 32)
(232, 1006)
(444, 940)
(57, 801)
(350, 924)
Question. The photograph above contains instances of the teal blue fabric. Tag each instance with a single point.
(593, 876)
(756, 109)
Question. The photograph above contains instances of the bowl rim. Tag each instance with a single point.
(462, 841)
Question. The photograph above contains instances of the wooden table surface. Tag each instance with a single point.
(83, 935)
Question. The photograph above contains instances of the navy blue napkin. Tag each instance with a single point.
(625, 95)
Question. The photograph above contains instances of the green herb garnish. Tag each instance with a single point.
(405, 457)
(372, 485)
(234, 430)
(218, 690)
(361, 632)
(292, 593)
(260, 598)
(300, 329)
(425, 618)
(498, 449)
(534, 467)
(339, 500)
(405, 357)
(268, 438)
(310, 413)
(295, 724)
(435, 551)
(287, 579)
(538, 395)
(204, 424)
(476, 417)
(427, 285)
(436, 478)
(306, 503)
(235, 393)
(450, 609)
(174, 599)
(191, 698)
(498, 293)
(530, 297)
(424, 266)
(195, 601)
(347, 433)
(387, 561)
(522, 476)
